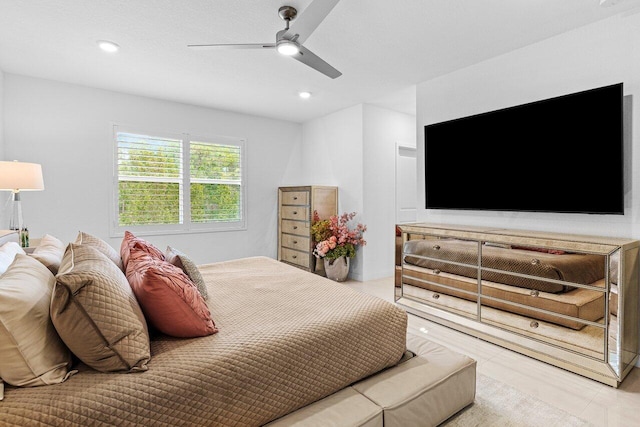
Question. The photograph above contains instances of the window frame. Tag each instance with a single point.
(116, 230)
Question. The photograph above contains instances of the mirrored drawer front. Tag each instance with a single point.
(589, 340)
(571, 309)
(443, 255)
(447, 250)
(295, 257)
(543, 269)
(295, 242)
(295, 198)
(441, 300)
(301, 228)
(295, 212)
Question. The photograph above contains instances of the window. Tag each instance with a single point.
(154, 171)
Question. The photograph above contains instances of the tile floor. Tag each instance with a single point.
(597, 403)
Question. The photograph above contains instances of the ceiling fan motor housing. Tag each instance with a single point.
(288, 13)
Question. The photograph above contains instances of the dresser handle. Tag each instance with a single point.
(295, 242)
(436, 247)
(295, 197)
(294, 256)
(534, 324)
(436, 271)
(295, 227)
(295, 212)
(535, 261)
(435, 296)
(534, 293)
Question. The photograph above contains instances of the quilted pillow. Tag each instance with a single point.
(96, 242)
(182, 261)
(8, 252)
(49, 252)
(96, 313)
(32, 352)
(170, 301)
(130, 241)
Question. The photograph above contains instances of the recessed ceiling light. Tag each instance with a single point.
(108, 46)
(304, 95)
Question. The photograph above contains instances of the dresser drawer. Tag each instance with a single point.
(296, 257)
(295, 198)
(299, 228)
(295, 212)
(295, 242)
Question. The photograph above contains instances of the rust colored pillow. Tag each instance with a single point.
(130, 241)
(170, 301)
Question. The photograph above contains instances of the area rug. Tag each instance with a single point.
(498, 404)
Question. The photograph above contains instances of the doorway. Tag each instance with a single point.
(406, 183)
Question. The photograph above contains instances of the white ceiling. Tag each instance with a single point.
(382, 47)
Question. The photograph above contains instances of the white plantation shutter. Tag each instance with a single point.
(172, 183)
(150, 180)
(216, 180)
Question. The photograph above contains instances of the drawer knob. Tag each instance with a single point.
(295, 227)
(534, 293)
(295, 242)
(295, 212)
(535, 261)
(436, 247)
(534, 324)
(295, 197)
(436, 296)
(294, 256)
(436, 271)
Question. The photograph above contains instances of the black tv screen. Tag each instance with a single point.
(563, 154)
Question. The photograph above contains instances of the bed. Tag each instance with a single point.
(285, 339)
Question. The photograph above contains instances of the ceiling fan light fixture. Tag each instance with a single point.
(108, 46)
(304, 95)
(287, 47)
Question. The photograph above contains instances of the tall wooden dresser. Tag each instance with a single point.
(295, 214)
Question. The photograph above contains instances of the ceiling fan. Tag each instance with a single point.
(289, 40)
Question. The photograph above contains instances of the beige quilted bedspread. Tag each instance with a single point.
(286, 338)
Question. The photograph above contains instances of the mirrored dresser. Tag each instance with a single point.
(568, 300)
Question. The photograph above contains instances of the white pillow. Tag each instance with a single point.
(32, 352)
(8, 252)
(49, 252)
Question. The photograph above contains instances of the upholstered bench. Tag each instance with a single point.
(423, 390)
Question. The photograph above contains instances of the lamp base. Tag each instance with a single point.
(15, 219)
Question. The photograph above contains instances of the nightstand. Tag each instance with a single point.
(8, 236)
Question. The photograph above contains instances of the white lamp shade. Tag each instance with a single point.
(20, 176)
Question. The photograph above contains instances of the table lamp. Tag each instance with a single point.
(16, 177)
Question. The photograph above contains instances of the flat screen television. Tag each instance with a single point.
(563, 154)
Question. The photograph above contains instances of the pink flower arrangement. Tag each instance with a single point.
(334, 238)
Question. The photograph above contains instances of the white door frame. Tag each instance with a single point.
(405, 214)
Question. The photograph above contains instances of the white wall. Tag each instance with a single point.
(1, 116)
(355, 150)
(332, 155)
(68, 129)
(4, 195)
(596, 55)
(603, 53)
(383, 129)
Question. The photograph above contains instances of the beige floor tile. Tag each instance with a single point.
(597, 403)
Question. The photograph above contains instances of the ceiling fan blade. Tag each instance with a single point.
(309, 19)
(234, 46)
(314, 61)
